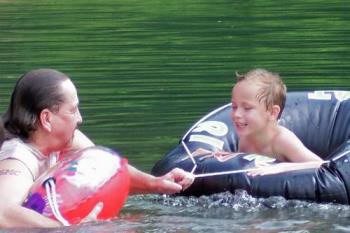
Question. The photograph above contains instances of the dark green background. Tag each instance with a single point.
(147, 70)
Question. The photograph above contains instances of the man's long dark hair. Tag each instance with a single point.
(2, 132)
(34, 91)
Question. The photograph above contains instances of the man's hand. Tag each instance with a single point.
(174, 181)
(92, 216)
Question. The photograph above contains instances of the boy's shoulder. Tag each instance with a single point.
(284, 140)
(284, 133)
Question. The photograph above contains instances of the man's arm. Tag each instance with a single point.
(172, 182)
(15, 182)
(18, 216)
(80, 141)
(141, 182)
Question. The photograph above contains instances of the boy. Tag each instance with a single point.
(258, 100)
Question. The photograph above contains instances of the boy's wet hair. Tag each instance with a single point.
(272, 90)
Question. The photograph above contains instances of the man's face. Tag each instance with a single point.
(67, 118)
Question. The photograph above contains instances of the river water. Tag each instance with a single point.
(146, 71)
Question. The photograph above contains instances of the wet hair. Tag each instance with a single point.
(272, 90)
(34, 91)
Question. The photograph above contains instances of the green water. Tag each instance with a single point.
(146, 70)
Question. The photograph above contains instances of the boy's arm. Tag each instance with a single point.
(284, 167)
(291, 149)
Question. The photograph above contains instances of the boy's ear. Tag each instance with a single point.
(275, 111)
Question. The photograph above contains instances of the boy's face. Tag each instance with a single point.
(249, 116)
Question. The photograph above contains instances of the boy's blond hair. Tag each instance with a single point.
(272, 90)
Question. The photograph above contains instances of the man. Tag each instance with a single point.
(41, 122)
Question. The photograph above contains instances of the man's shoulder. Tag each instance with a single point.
(14, 147)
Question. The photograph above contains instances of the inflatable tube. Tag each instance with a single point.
(74, 186)
(320, 119)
